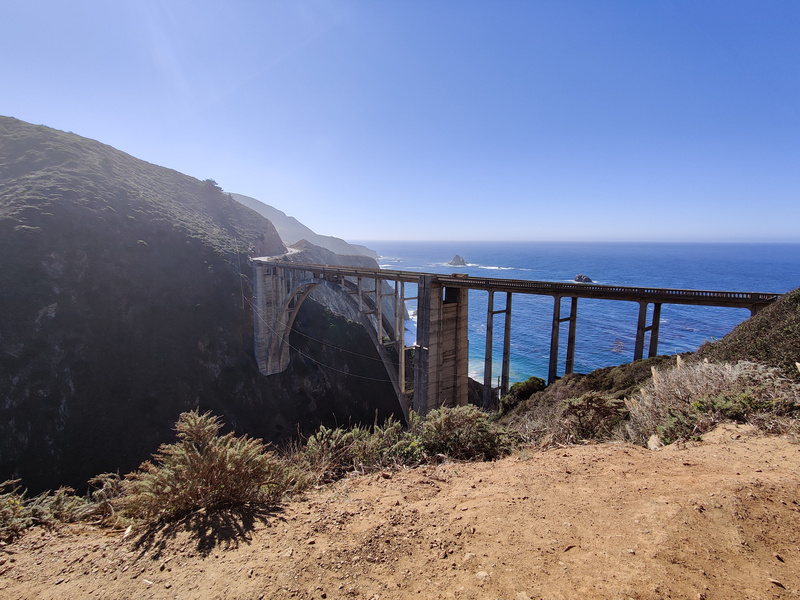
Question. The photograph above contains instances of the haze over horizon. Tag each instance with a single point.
(542, 121)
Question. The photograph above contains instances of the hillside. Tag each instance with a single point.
(292, 231)
(771, 337)
(125, 301)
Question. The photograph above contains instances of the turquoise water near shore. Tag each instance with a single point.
(606, 330)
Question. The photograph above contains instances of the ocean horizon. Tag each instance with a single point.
(606, 330)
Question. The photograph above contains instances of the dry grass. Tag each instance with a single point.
(18, 512)
(678, 401)
(690, 399)
(771, 337)
(551, 422)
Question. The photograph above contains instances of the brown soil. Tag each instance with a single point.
(712, 519)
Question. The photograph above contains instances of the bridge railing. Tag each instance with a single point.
(734, 299)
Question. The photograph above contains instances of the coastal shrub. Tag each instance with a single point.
(18, 513)
(463, 433)
(541, 425)
(15, 517)
(61, 506)
(554, 420)
(688, 401)
(771, 337)
(522, 390)
(592, 415)
(537, 416)
(329, 454)
(205, 470)
(104, 490)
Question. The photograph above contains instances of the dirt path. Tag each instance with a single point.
(716, 519)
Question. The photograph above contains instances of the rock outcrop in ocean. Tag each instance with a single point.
(458, 261)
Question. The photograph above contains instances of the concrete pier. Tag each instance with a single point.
(442, 350)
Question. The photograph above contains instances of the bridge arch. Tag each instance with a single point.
(281, 292)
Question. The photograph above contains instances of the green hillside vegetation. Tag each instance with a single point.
(771, 337)
(293, 231)
(49, 175)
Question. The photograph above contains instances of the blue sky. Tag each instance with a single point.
(521, 120)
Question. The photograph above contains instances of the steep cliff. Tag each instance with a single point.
(125, 300)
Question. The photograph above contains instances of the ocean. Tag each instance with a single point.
(606, 330)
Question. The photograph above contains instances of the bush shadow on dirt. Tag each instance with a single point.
(207, 530)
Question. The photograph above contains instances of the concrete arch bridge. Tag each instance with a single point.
(441, 351)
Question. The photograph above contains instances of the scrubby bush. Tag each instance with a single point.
(688, 401)
(539, 418)
(331, 453)
(14, 515)
(104, 491)
(463, 433)
(204, 470)
(592, 415)
(18, 513)
(63, 506)
(551, 420)
(522, 390)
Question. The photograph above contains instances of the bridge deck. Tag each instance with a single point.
(731, 299)
(442, 321)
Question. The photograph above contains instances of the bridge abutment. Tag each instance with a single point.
(271, 319)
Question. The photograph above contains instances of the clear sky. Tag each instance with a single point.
(668, 120)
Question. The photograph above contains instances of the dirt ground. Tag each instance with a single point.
(703, 520)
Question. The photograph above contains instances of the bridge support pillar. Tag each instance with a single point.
(260, 330)
(271, 319)
(487, 357)
(573, 319)
(442, 355)
(504, 378)
(552, 374)
(642, 327)
(653, 350)
(486, 402)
